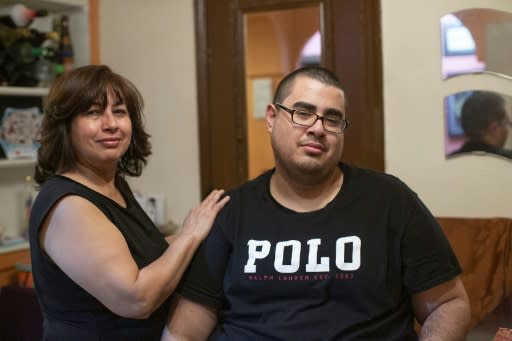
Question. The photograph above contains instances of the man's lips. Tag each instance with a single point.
(313, 147)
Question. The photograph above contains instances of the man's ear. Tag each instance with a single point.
(270, 116)
(494, 134)
(493, 128)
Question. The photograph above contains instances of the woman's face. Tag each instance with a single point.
(100, 137)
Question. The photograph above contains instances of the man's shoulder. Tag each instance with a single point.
(506, 153)
(370, 177)
(252, 188)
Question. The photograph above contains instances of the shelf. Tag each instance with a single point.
(14, 247)
(54, 6)
(16, 163)
(22, 91)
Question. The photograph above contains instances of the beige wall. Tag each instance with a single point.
(152, 43)
(413, 97)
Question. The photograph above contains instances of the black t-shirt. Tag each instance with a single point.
(346, 271)
(70, 312)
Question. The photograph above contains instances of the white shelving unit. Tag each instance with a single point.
(53, 6)
(16, 163)
(13, 172)
(22, 91)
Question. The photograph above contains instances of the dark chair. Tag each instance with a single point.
(20, 315)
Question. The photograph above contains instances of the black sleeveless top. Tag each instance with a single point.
(70, 312)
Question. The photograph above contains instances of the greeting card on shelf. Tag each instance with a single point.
(153, 204)
(20, 126)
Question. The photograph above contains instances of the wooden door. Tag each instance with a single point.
(352, 49)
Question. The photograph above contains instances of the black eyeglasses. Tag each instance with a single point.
(333, 124)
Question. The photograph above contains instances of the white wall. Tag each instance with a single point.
(414, 123)
(152, 44)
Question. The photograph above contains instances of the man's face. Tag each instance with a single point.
(307, 149)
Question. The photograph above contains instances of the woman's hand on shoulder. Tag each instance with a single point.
(200, 218)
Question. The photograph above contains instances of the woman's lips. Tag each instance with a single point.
(110, 142)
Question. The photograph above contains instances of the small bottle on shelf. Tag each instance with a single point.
(20, 64)
(46, 53)
(27, 199)
(44, 71)
(21, 52)
(67, 57)
(8, 35)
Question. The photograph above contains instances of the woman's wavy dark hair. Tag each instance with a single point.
(72, 94)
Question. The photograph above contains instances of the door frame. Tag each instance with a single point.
(356, 57)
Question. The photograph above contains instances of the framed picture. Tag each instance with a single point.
(20, 126)
(153, 204)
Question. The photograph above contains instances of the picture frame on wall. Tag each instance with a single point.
(20, 126)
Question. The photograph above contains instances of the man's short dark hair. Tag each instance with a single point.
(479, 110)
(318, 73)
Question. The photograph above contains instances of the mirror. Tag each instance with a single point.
(476, 40)
(276, 43)
(478, 122)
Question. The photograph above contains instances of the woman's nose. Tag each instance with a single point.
(109, 120)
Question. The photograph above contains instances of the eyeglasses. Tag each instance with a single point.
(333, 124)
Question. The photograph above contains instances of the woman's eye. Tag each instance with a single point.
(93, 112)
(120, 111)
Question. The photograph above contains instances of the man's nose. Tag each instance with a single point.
(318, 126)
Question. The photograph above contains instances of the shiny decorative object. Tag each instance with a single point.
(476, 40)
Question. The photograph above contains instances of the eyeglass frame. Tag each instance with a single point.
(318, 117)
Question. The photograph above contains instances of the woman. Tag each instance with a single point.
(101, 268)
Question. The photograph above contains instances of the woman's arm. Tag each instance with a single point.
(94, 254)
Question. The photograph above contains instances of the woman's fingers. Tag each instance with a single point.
(213, 197)
(200, 219)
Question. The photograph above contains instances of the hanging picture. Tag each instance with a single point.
(20, 126)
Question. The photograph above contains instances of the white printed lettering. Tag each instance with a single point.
(313, 265)
(356, 253)
(258, 249)
(295, 258)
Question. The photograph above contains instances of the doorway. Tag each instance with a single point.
(275, 43)
(351, 47)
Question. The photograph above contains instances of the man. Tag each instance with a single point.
(485, 123)
(317, 249)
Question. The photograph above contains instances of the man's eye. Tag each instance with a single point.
(332, 120)
(303, 114)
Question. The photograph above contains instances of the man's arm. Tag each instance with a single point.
(443, 311)
(189, 321)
